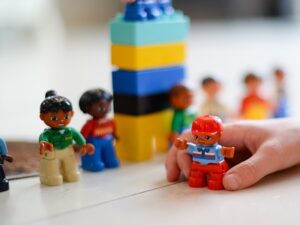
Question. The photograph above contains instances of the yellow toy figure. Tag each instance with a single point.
(253, 106)
(58, 161)
(211, 87)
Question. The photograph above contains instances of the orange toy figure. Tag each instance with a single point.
(207, 154)
(253, 105)
(181, 98)
(211, 87)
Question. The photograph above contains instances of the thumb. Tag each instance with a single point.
(247, 173)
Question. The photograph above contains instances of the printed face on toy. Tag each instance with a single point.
(182, 100)
(58, 119)
(99, 109)
(206, 139)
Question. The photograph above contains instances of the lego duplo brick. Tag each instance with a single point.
(128, 57)
(140, 105)
(167, 29)
(147, 82)
(141, 136)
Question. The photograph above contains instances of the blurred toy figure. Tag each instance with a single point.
(139, 10)
(281, 101)
(99, 131)
(4, 185)
(181, 98)
(212, 106)
(207, 154)
(58, 161)
(254, 106)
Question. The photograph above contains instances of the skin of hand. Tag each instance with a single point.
(262, 148)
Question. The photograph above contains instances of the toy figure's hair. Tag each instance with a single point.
(178, 89)
(207, 80)
(91, 96)
(54, 103)
(251, 76)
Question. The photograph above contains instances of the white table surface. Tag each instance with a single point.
(139, 194)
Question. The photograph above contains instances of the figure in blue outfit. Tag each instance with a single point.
(99, 131)
(139, 10)
(281, 105)
(4, 185)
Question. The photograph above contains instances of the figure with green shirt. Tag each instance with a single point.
(58, 161)
(181, 98)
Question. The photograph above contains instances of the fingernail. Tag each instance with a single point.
(232, 182)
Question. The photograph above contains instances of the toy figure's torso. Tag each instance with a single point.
(182, 119)
(98, 128)
(205, 154)
(213, 107)
(255, 107)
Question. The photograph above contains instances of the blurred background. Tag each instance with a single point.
(64, 45)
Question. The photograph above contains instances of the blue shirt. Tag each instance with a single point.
(205, 154)
(3, 148)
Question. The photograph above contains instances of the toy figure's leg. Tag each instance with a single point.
(216, 175)
(135, 11)
(152, 9)
(166, 6)
(69, 165)
(50, 169)
(4, 185)
(93, 162)
(197, 177)
(109, 154)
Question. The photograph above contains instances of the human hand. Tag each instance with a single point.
(273, 145)
(87, 149)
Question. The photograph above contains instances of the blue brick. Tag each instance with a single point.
(147, 82)
(166, 29)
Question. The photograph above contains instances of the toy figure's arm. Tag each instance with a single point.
(176, 123)
(182, 144)
(86, 129)
(228, 152)
(45, 145)
(79, 140)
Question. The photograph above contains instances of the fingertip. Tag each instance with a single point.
(231, 182)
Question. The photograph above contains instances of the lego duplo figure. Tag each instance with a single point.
(208, 166)
(4, 185)
(99, 131)
(281, 101)
(181, 98)
(212, 106)
(58, 161)
(253, 105)
(139, 10)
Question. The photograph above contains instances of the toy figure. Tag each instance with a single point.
(58, 161)
(207, 154)
(99, 131)
(138, 10)
(212, 106)
(4, 185)
(253, 105)
(281, 105)
(181, 98)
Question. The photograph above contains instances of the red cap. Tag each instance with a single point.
(207, 125)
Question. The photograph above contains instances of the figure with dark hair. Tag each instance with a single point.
(4, 185)
(281, 99)
(181, 99)
(254, 106)
(99, 130)
(211, 87)
(58, 161)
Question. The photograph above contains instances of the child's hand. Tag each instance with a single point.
(274, 145)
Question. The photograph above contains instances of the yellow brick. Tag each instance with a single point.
(147, 57)
(141, 136)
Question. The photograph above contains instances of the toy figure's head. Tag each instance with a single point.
(207, 130)
(211, 87)
(56, 111)
(253, 83)
(181, 97)
(96, 102)
(279, 75)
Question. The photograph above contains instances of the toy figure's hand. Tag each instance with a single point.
(173, 137)
(45, 146)
(181, 144)
(273, 145)
(228, 152)
(87, 149)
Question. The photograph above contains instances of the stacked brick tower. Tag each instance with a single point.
(148, 52)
